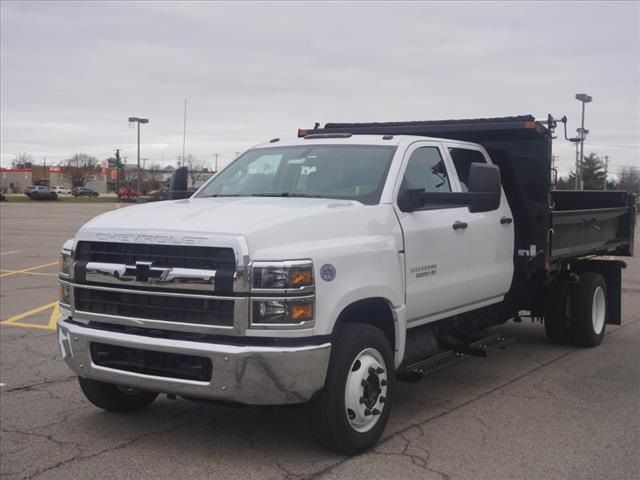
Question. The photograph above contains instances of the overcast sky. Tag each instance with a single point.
(71, 73)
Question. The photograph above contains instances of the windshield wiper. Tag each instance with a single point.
(286, 194)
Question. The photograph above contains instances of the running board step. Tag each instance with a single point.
(437, 362)
(458, 353)
(479, 348)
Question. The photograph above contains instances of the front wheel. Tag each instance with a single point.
(115, 398)
(352, 411)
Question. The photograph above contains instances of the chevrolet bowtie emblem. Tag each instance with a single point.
(143, 271)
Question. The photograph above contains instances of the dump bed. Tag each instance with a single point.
(591, 223)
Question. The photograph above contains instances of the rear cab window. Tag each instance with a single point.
(462, 159)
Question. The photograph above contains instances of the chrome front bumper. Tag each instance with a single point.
(245, 374)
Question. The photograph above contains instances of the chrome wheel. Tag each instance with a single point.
(598, 310)
(366, 390)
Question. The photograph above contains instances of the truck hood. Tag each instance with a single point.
(266, 226)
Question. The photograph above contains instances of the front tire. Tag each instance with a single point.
(588, 310)
(352, 411)
(114, 398)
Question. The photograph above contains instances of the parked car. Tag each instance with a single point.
(126, 192)
(42, 192)
(84, 192)
(29, 189)
(61, 190)
(160, 194)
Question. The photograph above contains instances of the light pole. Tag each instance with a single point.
(584, 98)
(138, 121)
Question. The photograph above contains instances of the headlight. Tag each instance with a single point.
(296, 275)
(65, 294)
(282, 311)
(65, 263)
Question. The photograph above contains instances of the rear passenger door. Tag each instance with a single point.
(490, 236)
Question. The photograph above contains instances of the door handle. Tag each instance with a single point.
(506, 220)
(460, 225)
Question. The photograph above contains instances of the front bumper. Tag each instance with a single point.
(251, 375)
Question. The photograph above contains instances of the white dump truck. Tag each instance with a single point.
(325, 268)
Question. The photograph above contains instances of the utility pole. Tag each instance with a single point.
(576, 141)
(138, 121)
(584, 98)
(216, 157)
(606, 170)
(184, 131)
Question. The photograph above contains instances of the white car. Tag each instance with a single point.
(61, 190)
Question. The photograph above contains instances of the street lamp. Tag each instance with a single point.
(138, 121)
(584, 98)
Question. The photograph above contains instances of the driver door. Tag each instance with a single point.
(435, 251)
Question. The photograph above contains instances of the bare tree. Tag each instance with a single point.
(629, 179)
(22, 160)
(78, 168)
(154, 175)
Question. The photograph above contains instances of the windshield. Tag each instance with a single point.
(354, 172)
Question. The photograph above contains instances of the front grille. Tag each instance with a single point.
(201, 311)
(207, 258)
(172, 365)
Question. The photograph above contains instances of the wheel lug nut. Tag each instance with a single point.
(372, 371)
(367, 412)
(382, 399)
(383, 383)
(379, 370)
(375, 411)
(364, 382)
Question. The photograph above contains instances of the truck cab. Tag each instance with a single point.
(318, 270)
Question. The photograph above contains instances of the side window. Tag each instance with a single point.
(462, 159)
(426, 170)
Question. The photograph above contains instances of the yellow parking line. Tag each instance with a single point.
(29, 325)
(9, 253)
(56, 313)
(16, 318)
(15, 272)
(2, 270)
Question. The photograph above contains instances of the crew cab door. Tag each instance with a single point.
(435, 251)
(490, 235)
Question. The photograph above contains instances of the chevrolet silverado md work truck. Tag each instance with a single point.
(323, 269)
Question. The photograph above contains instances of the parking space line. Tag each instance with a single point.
(2, 270)
(9, 253)
(15, 272)
(15, 320)
(56, 313)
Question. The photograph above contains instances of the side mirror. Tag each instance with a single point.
(410, 199)
(178, 184)
(484, 185)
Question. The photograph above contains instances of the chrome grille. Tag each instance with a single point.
(180, 256)
(137, 304)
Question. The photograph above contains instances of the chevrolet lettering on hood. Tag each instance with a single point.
(161, 239)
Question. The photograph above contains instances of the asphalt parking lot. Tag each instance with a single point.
(534, 411)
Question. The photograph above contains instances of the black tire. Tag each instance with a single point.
(588, 315)
(557, 312)
(113, 398)
(330, 423)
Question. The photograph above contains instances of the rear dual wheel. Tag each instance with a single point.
(577, 313)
